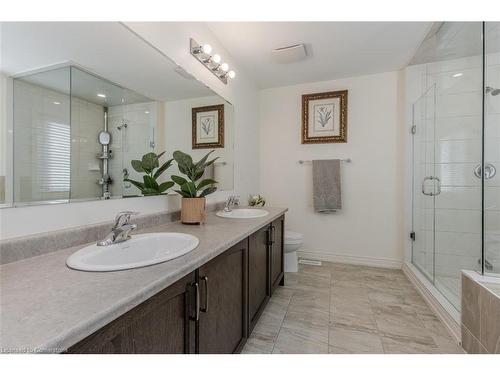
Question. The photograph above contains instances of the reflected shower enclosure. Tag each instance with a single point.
(456, 143)
(75, 134)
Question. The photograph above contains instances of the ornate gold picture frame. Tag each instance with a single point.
(324, 117)
(208, 126)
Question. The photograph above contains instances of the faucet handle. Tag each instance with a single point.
(123, 218)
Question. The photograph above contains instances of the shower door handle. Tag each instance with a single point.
(438, 185)
(434, 191)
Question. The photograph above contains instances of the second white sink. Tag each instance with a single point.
(243, 213)
(140, 251)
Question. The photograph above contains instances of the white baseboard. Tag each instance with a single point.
(349, 259)
(443, 309)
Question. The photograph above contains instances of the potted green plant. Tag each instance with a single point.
(192, 190)
(150, 166)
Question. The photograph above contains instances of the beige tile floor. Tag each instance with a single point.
(340, 308)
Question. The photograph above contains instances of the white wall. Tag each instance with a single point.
(173, 40)
(369, 228)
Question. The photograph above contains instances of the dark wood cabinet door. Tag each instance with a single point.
(277, 252)
(223, 282)
(161, 324)
(258, 274)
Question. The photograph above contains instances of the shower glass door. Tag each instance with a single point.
(447, 153)
(425, 186)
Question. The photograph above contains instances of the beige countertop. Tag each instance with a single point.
(47, 307)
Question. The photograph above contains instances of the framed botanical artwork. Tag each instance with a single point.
(324, 117)
(208, 126)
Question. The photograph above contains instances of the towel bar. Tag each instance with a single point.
(348, 160)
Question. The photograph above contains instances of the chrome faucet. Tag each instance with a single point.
(121, 230)
(232, 200)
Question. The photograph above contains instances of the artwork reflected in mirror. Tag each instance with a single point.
(208, 126)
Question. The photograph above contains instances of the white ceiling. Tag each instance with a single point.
(107, 49)
(335, 49)
(454, 40)
(80, 84)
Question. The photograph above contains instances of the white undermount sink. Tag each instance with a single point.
(243, 213)
(140, 251)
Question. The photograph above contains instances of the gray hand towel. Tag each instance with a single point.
(209, 172)
(326, 185)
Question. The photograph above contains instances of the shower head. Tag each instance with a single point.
(492, 91)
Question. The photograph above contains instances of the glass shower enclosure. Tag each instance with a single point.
(456, 143)
(59, 115)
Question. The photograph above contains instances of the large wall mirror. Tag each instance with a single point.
(80, 101)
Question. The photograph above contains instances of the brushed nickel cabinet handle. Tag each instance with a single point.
(196, 316)
(205, 280)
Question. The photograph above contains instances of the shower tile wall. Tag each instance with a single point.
(36, 109)
(130, 142)
(87, 120)
(458, 131)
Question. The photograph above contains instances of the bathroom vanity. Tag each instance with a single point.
(206, 301)
(208, 310)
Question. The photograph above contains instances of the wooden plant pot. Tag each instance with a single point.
(193, 210)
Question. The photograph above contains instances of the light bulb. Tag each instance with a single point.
(231, 74)
(101, 95)
(216, 58)
(207, 48)
(224, 67)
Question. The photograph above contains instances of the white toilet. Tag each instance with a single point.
(293, 242)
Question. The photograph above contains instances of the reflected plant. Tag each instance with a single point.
(189, 188)
(150, 165)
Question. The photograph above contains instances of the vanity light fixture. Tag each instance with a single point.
(216, 59)
(456, 75)
(212, 62)
(56, 103)
(101, 95)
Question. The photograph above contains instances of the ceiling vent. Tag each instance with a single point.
(290, 54)
(180, 71)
